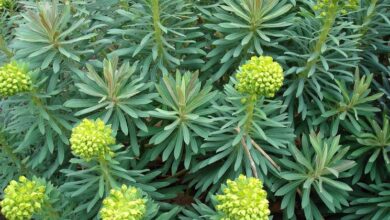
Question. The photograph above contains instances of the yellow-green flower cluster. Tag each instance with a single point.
(243, 199)
(22, 199)
(323, 6)
(14, 79)
(260, 76)
(126, 203)
(4, 3)
(91, 139)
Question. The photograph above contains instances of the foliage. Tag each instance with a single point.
(371, 150)
(157, 104)
(46, 38)
(370, 202)
(117, 97)
(316, 168)
(241, 144)
(166, 35)
(254, 24)
(186, 105)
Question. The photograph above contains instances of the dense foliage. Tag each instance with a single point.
(195, 109)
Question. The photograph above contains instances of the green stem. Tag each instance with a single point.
(14, 158)
(250, 108)
(105, 173)
(50, 212)
(40, 104)
(4, 48)
(368, 18)
(7, 149)
(156, 25)
(326, 28)
(248, 154)
(124, 4)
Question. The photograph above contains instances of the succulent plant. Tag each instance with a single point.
(173, 98)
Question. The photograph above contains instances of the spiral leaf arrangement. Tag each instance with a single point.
(190, 110)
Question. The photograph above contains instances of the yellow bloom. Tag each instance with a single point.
(126, 203)
(344, 5)
(91, 139)
(3, 3)
(243, 198)
(260, 76)
(22, 199)
(14, 79)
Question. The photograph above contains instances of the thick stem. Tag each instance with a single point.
(14, 158)
(4, 48)
(50, 212)
(371, 12)
(37, 101)
(250, 108)
(265, 154)
(105, 173)
(251, 161)
(326, 28)
(247, 126)
(156, 25)
(248, 154)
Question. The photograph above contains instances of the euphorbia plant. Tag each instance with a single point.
(240, 198)
(145, 109)
(101, 163)
(25, 198)
(127, 203)
(14, 79)
(249, 125)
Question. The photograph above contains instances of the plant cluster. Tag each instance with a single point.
(195, 109)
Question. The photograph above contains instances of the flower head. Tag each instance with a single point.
(260, 76)
(126, 203)
(14, 79)
(323, 6)
(91, 139)
(243, 198)
(4, 3)
(22, 199)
